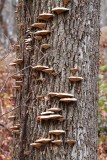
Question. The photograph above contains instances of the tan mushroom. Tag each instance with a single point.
(75, 79)
(59, 10)
(57, 132)
(39, 25)
(68, 100)
(42, 33)
(45, 16)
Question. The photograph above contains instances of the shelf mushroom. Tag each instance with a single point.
(45, 16)
(12, 64)
(57, 132)
(42, 33)
(40, 67)
(68, 100)
(64, 95)
(74, 70)
(70, 142)
(52, 94)
(47, 113)
(56, 110)
(57, 142)
(49, 71)
(37, 145)
(43, 140)
(39, 25)
(11, 117)
(59, 10)
(50, 117)
(18, 61)
(16, 87)
(66, 1)
(17, 76)
(75, 79)
(39, 38)
(45, 46)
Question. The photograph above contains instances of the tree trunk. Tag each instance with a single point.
(74, 41)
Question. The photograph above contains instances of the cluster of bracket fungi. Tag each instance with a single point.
(51, 113)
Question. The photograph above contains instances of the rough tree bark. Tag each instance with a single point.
(74, 41)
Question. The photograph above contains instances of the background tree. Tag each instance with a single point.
(74, 40)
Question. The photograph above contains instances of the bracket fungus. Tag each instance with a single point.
(45, 16)
(47, 113)
(17, 76)
(19, 82)
(12, 64)
(39, 38)
(56, 110)
(16, 87)
(39, 25)
(52, 94)
(68, 100)
(45, 46)
(42, 33)
(40, 68)
(37, 145)
(49, 71)
(49, 117)
(74, 70)
(75, 79)
(18, 61)
(57, 132)
(11, 117)
(43, 140)
(71, 142)
(66, 1)
(64, 95)
(59, 10)
(57, 142)
(14, 127)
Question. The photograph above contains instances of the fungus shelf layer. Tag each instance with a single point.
(59, 10)
(45, 16)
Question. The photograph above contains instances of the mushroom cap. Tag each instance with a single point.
(59, 10)
(19, 82)
(18, 61)
(40, 68)
(64, 95)
(57, 142)
(67, 100)
(66, 1)
(11, 117)
(75, 79)
(49, 71)
(45, 46)
(16, 87)
(42, 32)
(45, 16)
(18, 76)
(38, 38)
(14, 127)
(43, 140)
(71, 142)
(57, 132)
(48, 117)
(47, 113)
(37, 145)
(13, 64)
(55, 110)
(52, 94)
(39, 25)
(74, 70)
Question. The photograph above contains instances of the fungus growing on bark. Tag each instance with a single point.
(52, 94)
(48, 71)
(11, 117)
(45, 16)
(12, 64)
(19, 82)
(38, 38)
(39, 25)
(45, 46)
(66, 1)
(74, 70)
(43, 140)
(68, 100)
(41, 80)
(37, 145)
(14, 127)
(40, 68)
(57, 142)
(71, 142)
(59, 10)
(57, 132)
(75, 79)
(64, 95)
(16, 87)
(18, 61)
(42, 33)
(47, 113)
(49, 117)
(56, 110)
(18, 76)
